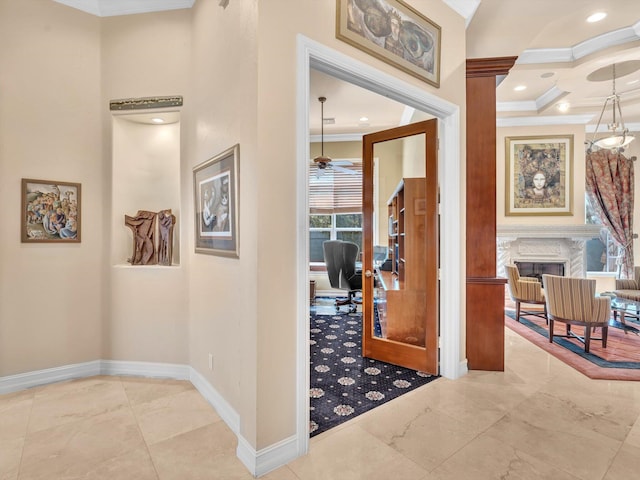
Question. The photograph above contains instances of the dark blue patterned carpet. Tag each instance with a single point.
(343, 384)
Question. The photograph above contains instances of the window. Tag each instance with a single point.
(337, 226)
(335, 207)
(602, 252)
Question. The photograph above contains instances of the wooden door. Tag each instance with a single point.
(400, 295)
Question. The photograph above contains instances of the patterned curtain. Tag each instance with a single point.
(609, 181)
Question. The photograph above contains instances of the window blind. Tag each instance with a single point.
(335, 191)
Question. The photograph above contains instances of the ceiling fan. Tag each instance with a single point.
(323, 162)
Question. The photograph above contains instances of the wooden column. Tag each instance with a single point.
(485, 291)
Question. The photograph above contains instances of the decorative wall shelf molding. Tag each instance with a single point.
(547, 231)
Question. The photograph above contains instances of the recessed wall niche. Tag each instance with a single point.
(145, 175)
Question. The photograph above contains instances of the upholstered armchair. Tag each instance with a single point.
(525, 290)
(573, 302)
(629, 288)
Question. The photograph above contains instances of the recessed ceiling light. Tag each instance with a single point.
(596, 17)
(519, 88)
(547, 75)
(563, 107)
(364, 119)
(157, 120)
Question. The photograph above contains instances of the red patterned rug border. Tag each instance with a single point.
(580, 364)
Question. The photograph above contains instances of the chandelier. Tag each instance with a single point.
(618, 135)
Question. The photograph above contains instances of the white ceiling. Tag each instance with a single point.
(556, 49)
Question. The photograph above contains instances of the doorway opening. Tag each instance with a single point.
(312, 55)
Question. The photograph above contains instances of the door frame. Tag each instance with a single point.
(311, 54)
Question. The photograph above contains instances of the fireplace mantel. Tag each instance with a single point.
(545, 244)
(548, 231)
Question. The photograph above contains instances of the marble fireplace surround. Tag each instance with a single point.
(545, 243)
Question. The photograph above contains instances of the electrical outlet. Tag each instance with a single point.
(211, 361)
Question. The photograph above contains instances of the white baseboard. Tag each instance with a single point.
(217, 401)
(267, 459)
(258, 462)
(463, 368)
(145, 369)
(22, 381)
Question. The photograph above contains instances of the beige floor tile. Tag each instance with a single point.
(135, 465)
(75, 384)
(353, 453)
(626, 465)
(479, 460)
(10, 454)
(142, 390)
(423, 434)
(72, 449)
(282, 473)
(204, 453)
(72, 401)
(15, 409)
(173, 415)
(591, 406)
(633, 438)
(544, 431)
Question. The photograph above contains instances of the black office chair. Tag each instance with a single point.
(340, 258)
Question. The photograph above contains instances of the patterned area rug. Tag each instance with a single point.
(343, 384)
(620, 360)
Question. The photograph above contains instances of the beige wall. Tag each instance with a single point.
(64, 67)
(51, 296)
(223, 291)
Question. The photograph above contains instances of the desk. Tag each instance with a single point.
(402, 312)
(388, 280)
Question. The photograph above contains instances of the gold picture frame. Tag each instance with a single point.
(393, 32)
(50, 211)
(539, 175)
(216, 204)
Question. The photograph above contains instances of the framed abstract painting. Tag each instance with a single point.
(215, 188)
(539, 173)
(395, 33)
(50, 211)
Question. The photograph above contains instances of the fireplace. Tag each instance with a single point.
(552, 249)
(537, 269)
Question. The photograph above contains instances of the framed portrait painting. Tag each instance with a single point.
(394, 32)
(215, 188)
(50, 211)
(539, 173)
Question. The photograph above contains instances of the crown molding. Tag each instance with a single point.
(543, 120)
(337, 137)
(112, 8)
(466, 8)
(632, 127)
(582, 49)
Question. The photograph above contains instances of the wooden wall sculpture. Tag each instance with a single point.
(485, 291)
(152, 237)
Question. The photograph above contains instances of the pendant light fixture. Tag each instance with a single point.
(618, 135)
(322, 161)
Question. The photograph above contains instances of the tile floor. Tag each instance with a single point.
(540, 419)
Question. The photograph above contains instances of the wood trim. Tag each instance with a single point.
(489, 67)
(487, 280)
(485, 291)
